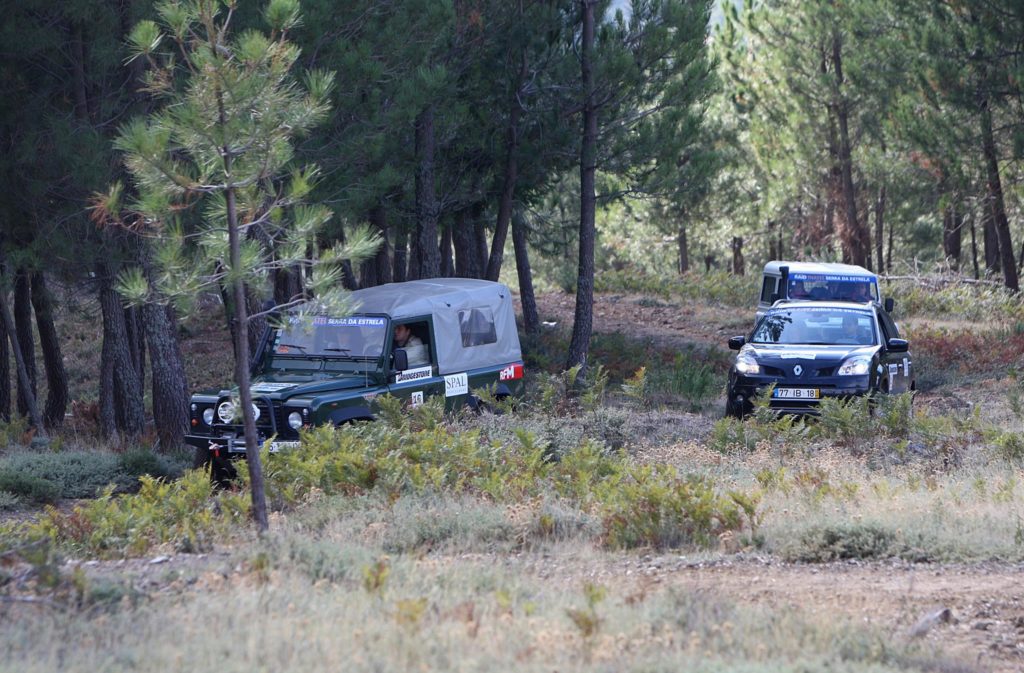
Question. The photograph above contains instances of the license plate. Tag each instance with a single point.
(796, 394)
(238, 446)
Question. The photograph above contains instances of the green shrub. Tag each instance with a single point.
(27, 487)
(83, 474)
(183, 513)
(845, 420)
(1009, 446)
(652, 506)
(820, 544)
(9, 501)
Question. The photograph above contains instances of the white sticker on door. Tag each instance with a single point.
(456, 384)
(413, 374)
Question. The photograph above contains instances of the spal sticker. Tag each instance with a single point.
(456, 384)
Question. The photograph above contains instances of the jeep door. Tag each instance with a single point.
(419, 381)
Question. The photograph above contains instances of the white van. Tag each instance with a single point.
(814, 281)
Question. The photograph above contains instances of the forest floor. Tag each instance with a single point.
(950, 614)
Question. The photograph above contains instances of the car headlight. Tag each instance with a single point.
(746, 364)
(208, 416)
(857, 366)
(295, 420)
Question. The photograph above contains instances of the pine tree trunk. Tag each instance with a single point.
(136, 342)
(880, 226)
(252, 449)
(377, 269)
(53, 360)
(531, 319)
(465, 243)
(995, 190)
(952, 222)
(990, 238)
(974, 245)
(5, 374)
(170, 387)
(121, 399)
(509, 180)
(684, 250)
(26, 337)
(477, 213)
(447, 263)
(24, 384)
(583, 318)
(860, 245)
(401, 256)
(428, 257)
(739, 266)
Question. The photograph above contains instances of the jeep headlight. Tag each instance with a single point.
(857, 366)
(746, 364)
(226, 411)
(208, 416)
(295, 420)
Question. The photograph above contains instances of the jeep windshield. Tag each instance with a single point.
(357, 337)
(832, 287)
(816, 326)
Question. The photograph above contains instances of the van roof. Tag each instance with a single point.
(830, 268)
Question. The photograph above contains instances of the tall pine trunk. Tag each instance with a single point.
(989, 236)
(428, 257)
(583, 319)
(880, 227)
(24, 385)
(995, 191)
(377, 269)
(684, 250)
(401, 262)
(24, 332)
(53, 360)
(467, 259)
(509, 180)
(170, 387)
(5, 373)
(531, 319)
(121, 401)
(859, 240)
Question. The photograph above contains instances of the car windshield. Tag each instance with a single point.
(827, 287)
(814, 325)
(355, 337)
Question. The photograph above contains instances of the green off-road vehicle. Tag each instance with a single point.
(459, 336)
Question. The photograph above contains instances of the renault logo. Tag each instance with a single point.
(798, 370)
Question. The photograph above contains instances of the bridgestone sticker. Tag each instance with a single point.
(414, 374)
(456, 384)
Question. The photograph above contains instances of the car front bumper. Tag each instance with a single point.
(843, 387)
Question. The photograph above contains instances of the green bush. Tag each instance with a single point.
(184, 513)
(28, 487)
(83, 474)
(821, 544)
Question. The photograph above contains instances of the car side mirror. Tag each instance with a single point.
(889, 305)
(400, 360)
(736, 342)
(897, 345)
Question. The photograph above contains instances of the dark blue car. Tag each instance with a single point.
(811, 351)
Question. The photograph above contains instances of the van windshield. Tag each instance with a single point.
(355, 337)
(825, 287)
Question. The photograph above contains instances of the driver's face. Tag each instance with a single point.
(401, 334)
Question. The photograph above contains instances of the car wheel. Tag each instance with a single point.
(733, 409)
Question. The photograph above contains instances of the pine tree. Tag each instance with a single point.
(213, 174)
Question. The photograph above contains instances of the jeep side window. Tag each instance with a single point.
(477, 327)
(767, 289)
(414, 339)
